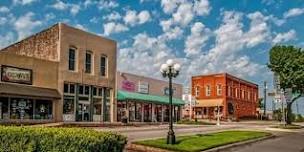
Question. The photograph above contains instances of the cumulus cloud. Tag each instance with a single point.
(294, 12)
(197, 39)
(23, 2)
(4, 9)
(25, 25)
(112, 16)
(113, 27)
(73, 8)
(133, 18)
(285, 37)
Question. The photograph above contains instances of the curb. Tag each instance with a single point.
(238, 144)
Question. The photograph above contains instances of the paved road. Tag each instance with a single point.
(288, 142)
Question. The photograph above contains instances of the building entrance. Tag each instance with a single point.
(83, 112)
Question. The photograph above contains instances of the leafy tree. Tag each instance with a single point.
(288, 63)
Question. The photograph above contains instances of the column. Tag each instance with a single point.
(153, 113)
(142, 112)
(162, 113)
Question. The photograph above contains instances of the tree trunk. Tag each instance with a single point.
(289, 114)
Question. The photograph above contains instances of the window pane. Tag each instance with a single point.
(88, 62)
(100, 92)
(4, 108)
(72, 88)
(71, 59)
(103, 65)
(68, 105)
(21, 108)
(66, 88)
(80, 89)
(94, 91)
(43, 109)
(87, 90)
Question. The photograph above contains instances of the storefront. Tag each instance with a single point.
(138, 107)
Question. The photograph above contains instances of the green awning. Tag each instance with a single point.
(124, 95)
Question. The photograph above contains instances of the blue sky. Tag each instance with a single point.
(204, 36)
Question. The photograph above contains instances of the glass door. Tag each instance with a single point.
(83, 112)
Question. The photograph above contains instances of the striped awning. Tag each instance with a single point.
(209, 103)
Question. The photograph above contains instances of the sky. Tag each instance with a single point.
(204, 36)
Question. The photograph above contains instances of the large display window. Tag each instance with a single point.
(21, 108)
(43, 109)
(4, 108)
(68, 105)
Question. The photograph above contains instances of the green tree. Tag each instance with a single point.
(288, 63)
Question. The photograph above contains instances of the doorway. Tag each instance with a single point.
(83, 112)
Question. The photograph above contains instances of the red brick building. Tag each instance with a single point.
(235, 97)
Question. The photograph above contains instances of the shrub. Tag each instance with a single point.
(31, 139)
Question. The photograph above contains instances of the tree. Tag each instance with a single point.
(288, 63)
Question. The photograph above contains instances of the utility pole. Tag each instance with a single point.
(265, 97)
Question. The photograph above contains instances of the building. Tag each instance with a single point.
(143, 99)
(187, 111)
(61, 74)
(235, 97)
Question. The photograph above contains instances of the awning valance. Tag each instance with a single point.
(209, 103)
(28, 91)
(124, 95)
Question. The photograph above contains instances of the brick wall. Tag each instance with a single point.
(42, 45)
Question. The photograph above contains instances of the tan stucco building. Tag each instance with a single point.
(59, 74)
(145, 99)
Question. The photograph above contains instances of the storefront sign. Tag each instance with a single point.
(16, 75)
(143, 87)
(128, 86)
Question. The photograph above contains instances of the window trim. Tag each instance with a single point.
(208, 90)
(219, 89)
(91, 64)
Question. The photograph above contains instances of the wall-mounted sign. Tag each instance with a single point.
(128, 86)
(16, 75)
(143, 87)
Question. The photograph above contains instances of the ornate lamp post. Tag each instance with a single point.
(170, 70)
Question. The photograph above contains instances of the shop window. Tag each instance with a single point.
(138, 112)
(72, 88)
(43, 109)
(88, 62)
(21, 108)
(4, 115)
(100, 92)
(107, 115)
(219, 89)
(103, 66)
(68, 105)
(72, 58)
(66, 88)
(208, 90)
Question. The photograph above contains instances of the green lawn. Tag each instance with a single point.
(199, 142)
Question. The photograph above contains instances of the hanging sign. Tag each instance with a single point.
(16, 75)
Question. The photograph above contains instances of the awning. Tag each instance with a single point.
(124, 95)
(28, 91)
(209, 103)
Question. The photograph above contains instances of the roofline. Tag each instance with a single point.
(148, 77)
(226, 75)
(30, 36)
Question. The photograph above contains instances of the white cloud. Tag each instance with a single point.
(107, 4)
(94, 20)
(73, 8)
(285, 37)
(3, 20)
(113, 27)
(259, 31)
(24, 25)
(132, 18)
(6, 39)
(202, 7)
(197, 39)
(184, 14)
(294, 12)
(169, 5)
(113, 16)
(50, 16)
(4, 9)
(81, 27)
(277, 21)
(23, 2)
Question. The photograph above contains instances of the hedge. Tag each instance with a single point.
(30, 139)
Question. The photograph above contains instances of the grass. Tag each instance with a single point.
(189, 122)
(199, 142)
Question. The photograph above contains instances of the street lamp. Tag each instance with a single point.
(170, 70)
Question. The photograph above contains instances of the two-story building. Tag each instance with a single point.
(144, 99)
(235, 98)
(59, 74)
